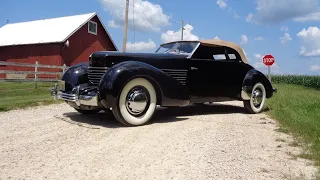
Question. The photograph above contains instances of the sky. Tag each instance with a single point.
(287, 29)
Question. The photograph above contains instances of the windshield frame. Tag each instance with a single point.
(177, 43)
(161, 46)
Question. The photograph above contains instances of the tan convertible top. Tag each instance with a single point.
(216, 42)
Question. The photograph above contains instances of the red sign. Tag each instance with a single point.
(268, 60)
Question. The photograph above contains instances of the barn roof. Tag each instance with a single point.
(53, 30)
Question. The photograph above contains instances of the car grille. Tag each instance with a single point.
(95, 74)
(178, 74)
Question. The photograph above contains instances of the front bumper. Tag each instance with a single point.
(78, 98)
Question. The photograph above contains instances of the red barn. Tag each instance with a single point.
(64, 40)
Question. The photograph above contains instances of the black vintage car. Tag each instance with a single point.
(177, 74)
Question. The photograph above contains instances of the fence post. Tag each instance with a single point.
(36, 75)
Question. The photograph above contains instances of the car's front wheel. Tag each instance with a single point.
(136, 103)
(257, 99)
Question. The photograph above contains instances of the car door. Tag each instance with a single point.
(213, 73)
(199, 75)
(229, 77)
(234, 71)
(204, 80)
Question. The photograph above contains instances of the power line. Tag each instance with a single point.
(144, 16)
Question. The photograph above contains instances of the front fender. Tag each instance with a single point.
(75, 75)
(169, 91)
(252, 77)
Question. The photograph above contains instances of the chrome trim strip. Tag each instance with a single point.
(92, 67)
(179, 75)
(76, 98)
(95, 74)
(96, 71)
(81, 100)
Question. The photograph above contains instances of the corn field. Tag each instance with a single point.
(304, 80)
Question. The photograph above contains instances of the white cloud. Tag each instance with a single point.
(217, 37)
(249, 18)
(260, 38)
(315, 68)
(310, 41)
(170, 35)
(284, 28)
(315, 16)
(112, 24)
(141, 46)
(258, 56)
(147, 16)
(259, 65)
(244, 39)
(285, 38)
(275, 11)
(235, 15)
(222, 3)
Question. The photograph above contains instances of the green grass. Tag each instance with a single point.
(297, 109)
(304, 80)
(14, 95)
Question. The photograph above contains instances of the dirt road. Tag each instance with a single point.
(217, 141)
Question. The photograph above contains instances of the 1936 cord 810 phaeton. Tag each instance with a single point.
(177, 74)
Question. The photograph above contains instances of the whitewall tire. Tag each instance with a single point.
(136, 103)
(257, 99)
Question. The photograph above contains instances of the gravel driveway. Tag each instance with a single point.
(218, 141)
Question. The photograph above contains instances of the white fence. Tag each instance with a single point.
(36, 79)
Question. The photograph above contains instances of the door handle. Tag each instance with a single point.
(194, 68)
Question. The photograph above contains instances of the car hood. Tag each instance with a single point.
(140, 55)
(110, 58)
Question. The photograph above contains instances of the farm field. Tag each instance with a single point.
(303, 80)
(297, 109)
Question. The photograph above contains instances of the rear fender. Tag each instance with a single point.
(252, 77)
(169, 91)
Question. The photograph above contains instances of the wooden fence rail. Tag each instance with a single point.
(35, 72)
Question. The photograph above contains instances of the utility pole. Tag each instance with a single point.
(124, 45)
(182, 28)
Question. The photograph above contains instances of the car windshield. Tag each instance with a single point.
(165, 48)
(178, 47)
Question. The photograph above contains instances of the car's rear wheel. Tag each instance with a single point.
(257, 99)
(136, 103)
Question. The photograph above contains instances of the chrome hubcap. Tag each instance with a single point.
(257, 97)
(137, 101)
